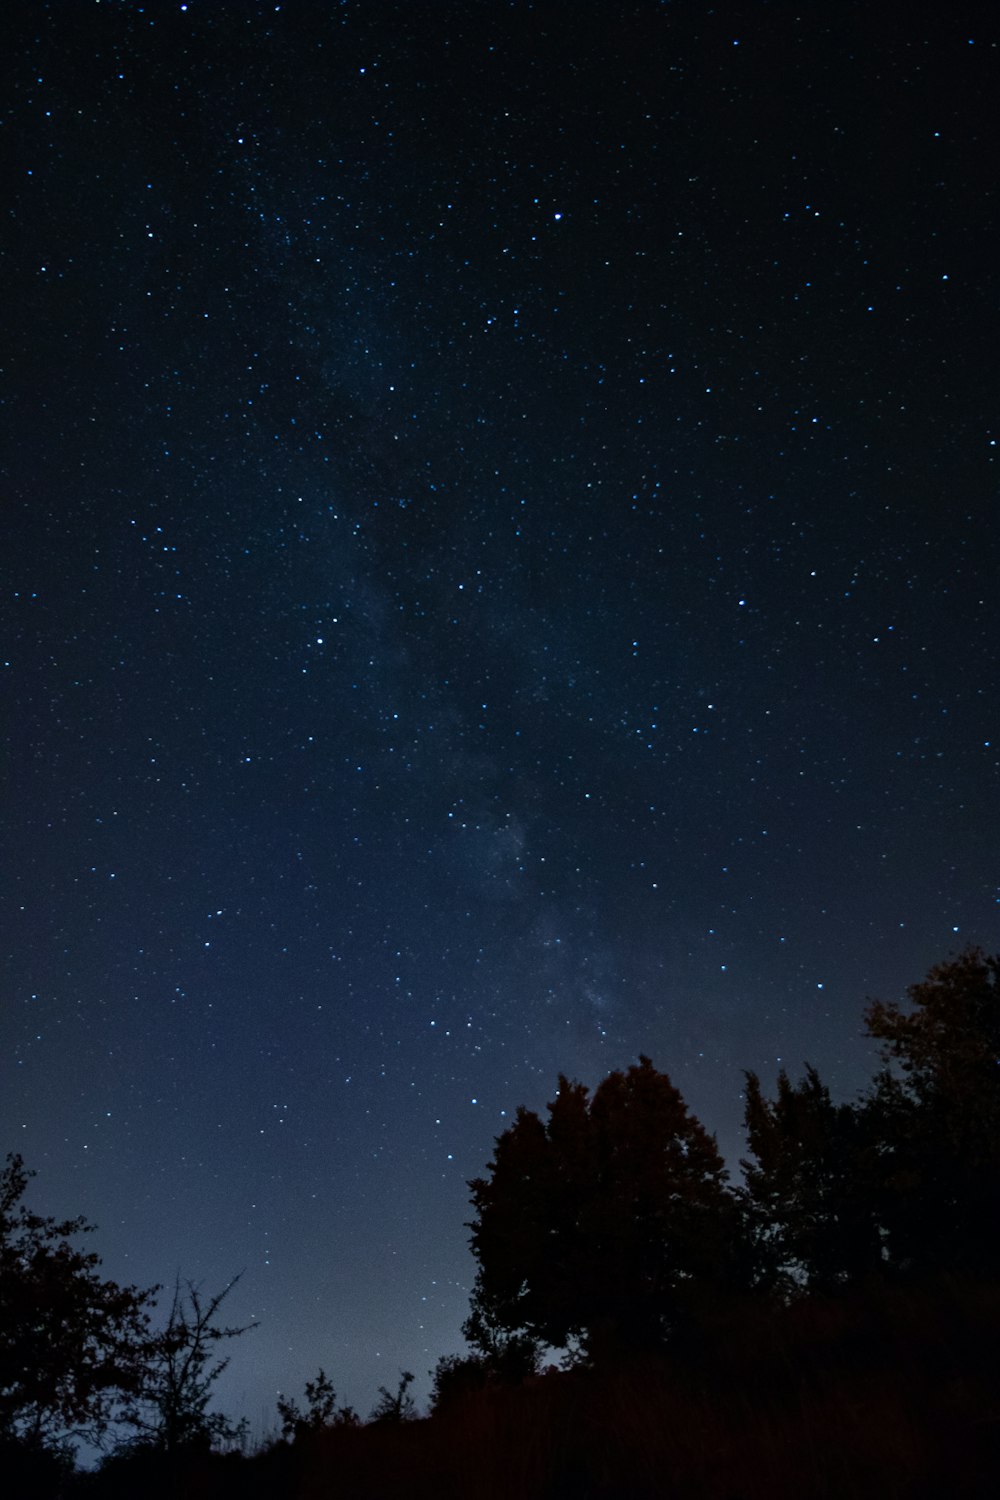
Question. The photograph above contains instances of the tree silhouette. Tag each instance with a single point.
(456, 1377)
(607, 1223)
(811, 1184)
(395, 1406)
(321, 1410)
(936, 1105)
(181, 1367)
(72, 1346)
(506, 1356)
(905, 1182)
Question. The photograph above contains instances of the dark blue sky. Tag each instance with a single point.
(500, 575)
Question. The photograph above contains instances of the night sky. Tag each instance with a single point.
(500, 554)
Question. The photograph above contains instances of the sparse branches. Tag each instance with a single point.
(395, 1406)
(321, 1410)
(182, 1367)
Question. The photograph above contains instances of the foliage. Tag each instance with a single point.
(43, 1471)
(609, 1222)
(395, 1406)
(906, 1181)
(809, 1184)
(321, 1410)
(948, 1046)
(937, 1105)
(608, 1228)
(455, 1377)
(72, 1345)
(507, 1356)
(182, 1366)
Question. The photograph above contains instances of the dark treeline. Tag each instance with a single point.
(640, 1326)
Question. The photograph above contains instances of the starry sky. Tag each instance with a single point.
(499, 575)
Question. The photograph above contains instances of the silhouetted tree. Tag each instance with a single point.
(181, 1367)
(72, 1346)
(507, 1356)
(456, 1376)
(906, 1181)
(321, 1410)
(395, 1406)
(609, 1222)
(811, 1184)
(936, 1108)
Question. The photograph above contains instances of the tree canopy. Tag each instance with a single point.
(809, 1184)
(905, 1181)
(611, 1223)
(606, 1226)
(72, 1345)
(603, 1222)
(936, 1104)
